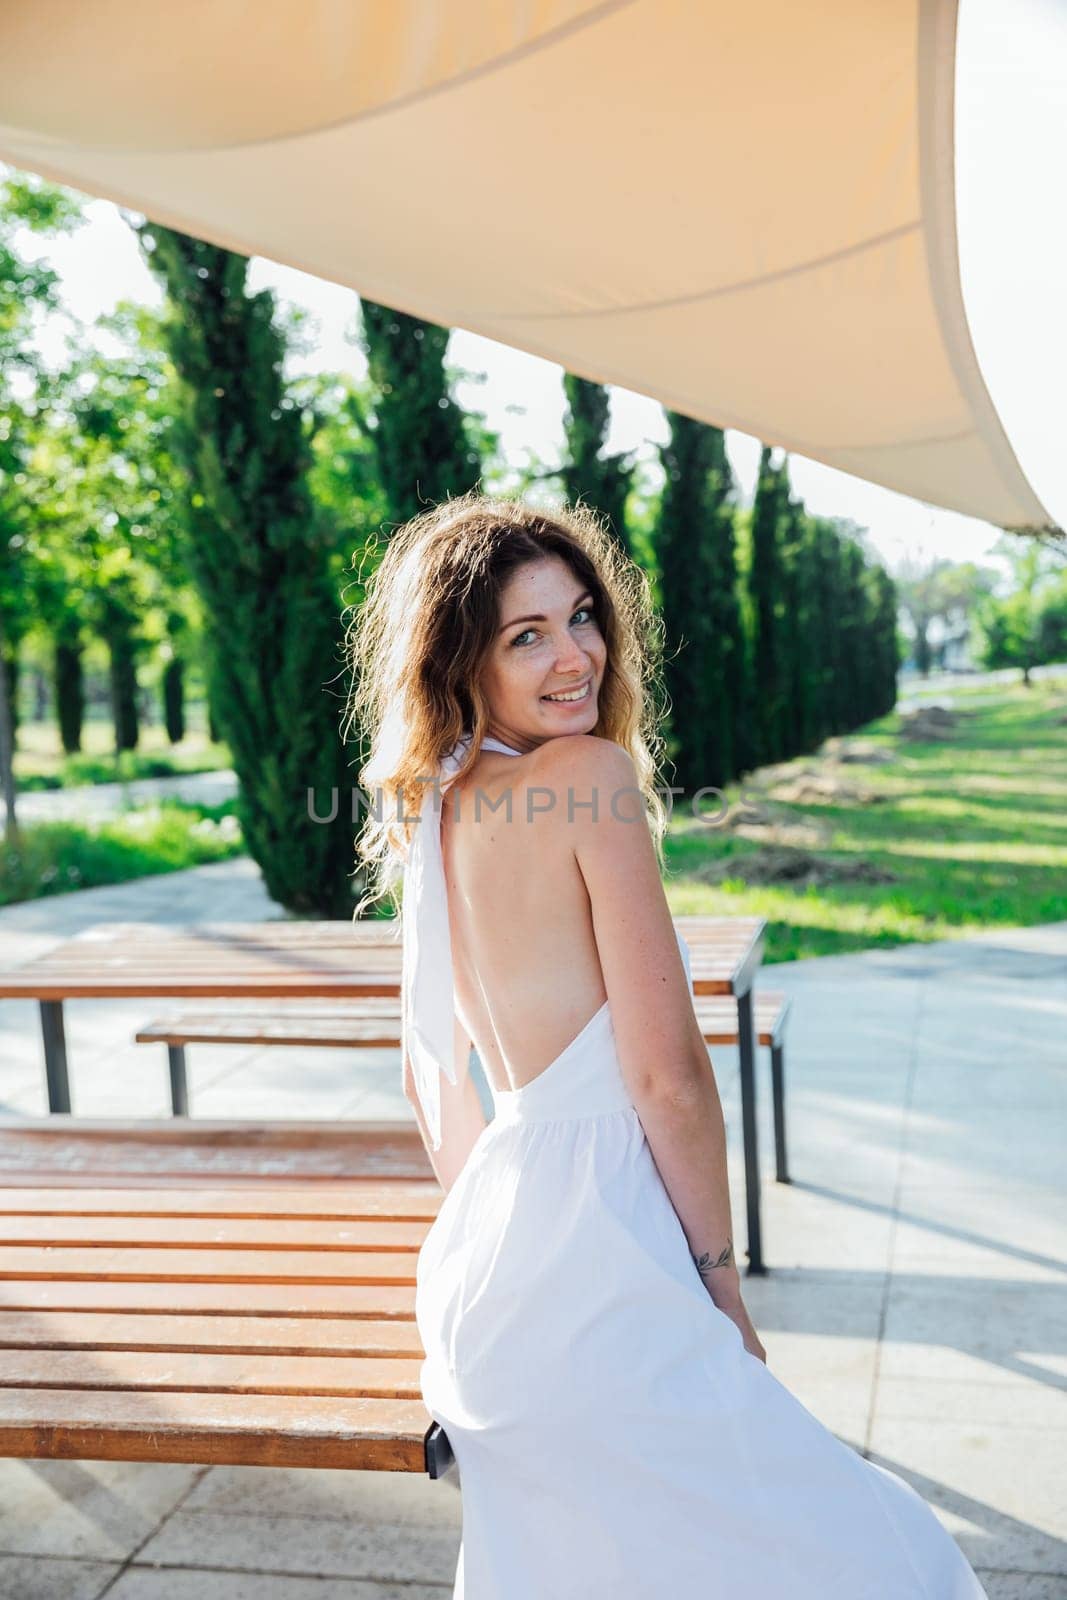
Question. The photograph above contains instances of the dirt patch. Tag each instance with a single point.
(806, 833)
(781, 865)
(928, 723)
(823, 789)
(869, 755)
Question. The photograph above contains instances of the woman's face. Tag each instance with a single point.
(547, 643)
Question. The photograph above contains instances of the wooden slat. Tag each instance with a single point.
(718, 968)
(236, 1335)
(208, 1372)
(327, 931)
(340, 1200)
(215, 1429)
(718, 1018)
(197, 1298)
(346, 984)
(146, 1263)
(371, 1029)
(62, 1148)
(272, 1234)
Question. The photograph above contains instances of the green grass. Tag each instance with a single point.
(974, 826)
(55, 857)
(40, 762)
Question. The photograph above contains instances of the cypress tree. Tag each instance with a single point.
(765, 583)
(885, 640)
(420, 441)
(854, 678)
(603, 482)
(272, 616)
(798, 721)
(698, 584)
(823, 567)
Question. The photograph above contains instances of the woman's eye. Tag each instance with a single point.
(588, 610)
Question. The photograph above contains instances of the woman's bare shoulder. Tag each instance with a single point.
(581, 757)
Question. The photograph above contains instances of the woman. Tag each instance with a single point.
(587, 1348)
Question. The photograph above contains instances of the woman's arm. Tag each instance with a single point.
(662, 1053)
(462, 1117)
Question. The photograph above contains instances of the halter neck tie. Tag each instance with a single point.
(427, 1004)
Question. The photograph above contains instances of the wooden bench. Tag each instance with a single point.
(374, 1024)
(371, 1024)
(717, 1016)
(214, 1292)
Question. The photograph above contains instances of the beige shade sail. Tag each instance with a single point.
(744, 211)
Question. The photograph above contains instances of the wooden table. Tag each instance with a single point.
(725, 954)
(333, 960)
(214, 1292)
(213, 960)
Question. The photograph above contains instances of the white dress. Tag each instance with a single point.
(613, 1436)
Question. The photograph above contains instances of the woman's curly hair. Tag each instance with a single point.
(418, 641)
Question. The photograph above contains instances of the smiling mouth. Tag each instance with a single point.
(572, 697)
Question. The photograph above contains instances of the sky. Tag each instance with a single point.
(1011, 137)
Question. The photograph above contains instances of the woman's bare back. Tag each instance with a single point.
(525, 964)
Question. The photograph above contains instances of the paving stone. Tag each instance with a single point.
(1018, 1403)
(357, 1546)
(312, 1492)
(174, 1583)
(47, 1578)
(1000, 1490)
(992, 1321)
(1021, 1585)
(86, 1508)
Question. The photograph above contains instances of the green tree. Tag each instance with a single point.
(885, 640)
(694, 544)
(795, 628)
(856, 685)
(343, 477)
(601, 481)
(422, 446)
(765, 585)
(111, 500)
(26, 288)
(261, 560)
(823, 634)
(1011, 629)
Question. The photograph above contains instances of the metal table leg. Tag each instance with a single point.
(179, 1093)
(747, 1052)
(778, 1083)
(55, 1055)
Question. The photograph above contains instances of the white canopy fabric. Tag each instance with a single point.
(744, 211)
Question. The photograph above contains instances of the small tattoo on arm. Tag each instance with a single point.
(704, 1263)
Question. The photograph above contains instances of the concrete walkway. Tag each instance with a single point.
(92, 802)
(915, 1302)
